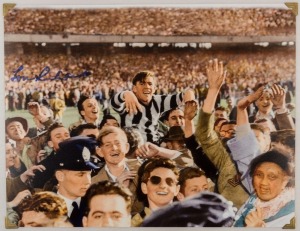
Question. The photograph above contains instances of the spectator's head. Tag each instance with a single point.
(73, 166)
(192, 180)
(88, 129)
(57, 133)
(221, 112)
(10, 155)
(43, 209)
(108, 205)
(205, 209)
(109, 120)
(175, 138)
(16, 128)
(230, 101)
(135, 139)
(113, 145)
(159, 182)
(270, 173)
(267, 124)
(88, 108)
(284, 142)
(144, 86)
(174, 117)
(218, 123)
(262, 136)
(264, 103)
(227, 129)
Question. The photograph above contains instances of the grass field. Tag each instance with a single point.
(70, 116)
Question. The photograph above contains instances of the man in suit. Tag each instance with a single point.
(113, 147)
(73, 173)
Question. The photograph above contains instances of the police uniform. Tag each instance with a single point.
(75, 154)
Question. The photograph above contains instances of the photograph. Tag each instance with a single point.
(149, 114)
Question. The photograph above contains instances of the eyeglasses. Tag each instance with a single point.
(155, 180)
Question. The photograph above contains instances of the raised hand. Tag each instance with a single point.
(147, 150)
(190, 109)
(34, 108)
(215, 74)
(125, 177)
(215, 78)
(25, 176)
(131, 103)
(20, 196)
(278, 96)
(255, 219)
(245, 102)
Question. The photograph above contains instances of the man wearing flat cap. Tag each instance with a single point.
(16, 129)
(73, 173)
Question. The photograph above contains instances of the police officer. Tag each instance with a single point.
(73, 173)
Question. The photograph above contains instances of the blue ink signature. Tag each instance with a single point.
(59, 75)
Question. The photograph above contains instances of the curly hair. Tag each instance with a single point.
(49, 203)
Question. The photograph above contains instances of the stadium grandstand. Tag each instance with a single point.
(256, 44)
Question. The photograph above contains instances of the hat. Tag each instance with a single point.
(272, 156)
(18, 119)
(175, 133)
(206, 209)
(75, 154)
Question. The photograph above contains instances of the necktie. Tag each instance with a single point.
(74, 214)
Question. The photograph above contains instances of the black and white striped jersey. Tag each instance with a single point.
(147, 120)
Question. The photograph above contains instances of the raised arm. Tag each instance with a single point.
(215, 78)
(242, 114)
(282, 116)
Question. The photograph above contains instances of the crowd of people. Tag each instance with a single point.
(113, 68)
(153, 21)
(167, 161)
(176, 155)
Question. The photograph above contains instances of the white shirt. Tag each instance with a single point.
(69, 203)
(111, 176)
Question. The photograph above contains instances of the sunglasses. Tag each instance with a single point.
(155, 180)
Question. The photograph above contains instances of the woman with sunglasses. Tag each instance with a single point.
(159, 185)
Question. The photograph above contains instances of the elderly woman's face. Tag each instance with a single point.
(269, 180)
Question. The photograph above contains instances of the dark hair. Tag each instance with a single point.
(82, 98)
(135, 138)
(145, 170)
(166, 114)
(227, 123)
(285, 137)
(221, 108)
(258, 127)
(105, 118)
(155, 163)
(272, 156)
(80, 128)
(53, 127)
(188, 173)
(218, 121)
(141, 76)
(107, 188)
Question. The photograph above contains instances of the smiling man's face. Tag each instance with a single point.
(113, 149)
(145, 89)
(264, 103)
(161, 194)
(90, 110)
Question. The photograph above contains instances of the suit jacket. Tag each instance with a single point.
(77, 221)
(134, 165)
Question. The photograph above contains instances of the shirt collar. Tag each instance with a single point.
(69, 203)
(111, 176)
